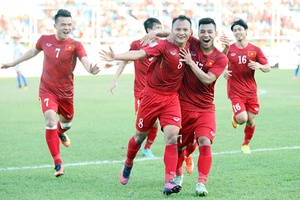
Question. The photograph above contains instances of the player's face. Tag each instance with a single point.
(239, 32)
(181, 32)
(63, 27)
(156, 26)
(207, 35)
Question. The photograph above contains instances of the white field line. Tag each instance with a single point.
(137, 159)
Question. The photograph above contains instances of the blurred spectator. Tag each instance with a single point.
(121, 19)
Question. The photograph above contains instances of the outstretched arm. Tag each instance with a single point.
(119, 71)
(26, 56)
(89, 67)
(127, 56)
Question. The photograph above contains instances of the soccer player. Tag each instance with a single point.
(159, 98)
(140, 70)
(18, 49)
(205, 64)
(56, 89)
(244, 59)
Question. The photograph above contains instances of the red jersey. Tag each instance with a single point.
(59, 63)
(165, 73)
(194, 95)
(140, 69)
(242, 82)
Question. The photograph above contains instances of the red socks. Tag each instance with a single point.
(151, 137)
(181, 155)
(249, 131)
(170, 160)
(53, 145)
(132, 150)
(204, 163)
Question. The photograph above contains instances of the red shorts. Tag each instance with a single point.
(241, 104)
(164, 107)
(196, 124)
(61, 107)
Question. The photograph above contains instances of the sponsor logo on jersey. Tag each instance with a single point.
(69, 47)
(176, 119)
(173, 53)
(193, 53)
(212, 133)
(48, 44)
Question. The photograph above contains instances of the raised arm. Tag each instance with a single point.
(152, 36)
(127, 56)
(26, 56)
(226, 42)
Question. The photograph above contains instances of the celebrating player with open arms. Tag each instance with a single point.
(159, 98)
(56, 89)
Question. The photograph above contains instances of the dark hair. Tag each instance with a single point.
(182, 17)
(207, 20)
(62, 13)
(241, 23)
(149, 23)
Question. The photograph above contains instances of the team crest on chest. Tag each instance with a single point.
(69, 47)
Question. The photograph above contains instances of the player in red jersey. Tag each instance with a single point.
(205, 64)
(159, 98)
(56, 89)
(140, 70)
(244, 59)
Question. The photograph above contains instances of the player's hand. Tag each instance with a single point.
(253, 65)
(149, 38)
(225, 40)
(227, 74)
(94, 69)
(107, 55)
(7, 65)
(186, 55)
(113, 85)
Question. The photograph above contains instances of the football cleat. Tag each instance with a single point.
(201, 190)
(171, 187)
(189, 164)
(246, 149)
(148, 153)
(65, 140)
(234, 124)
(59, 170)
(125, 174)
(178, 180)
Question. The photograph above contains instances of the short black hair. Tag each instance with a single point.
(62, 13)
(149, 23)
(207, 20)
(182, 17)
(241, 23)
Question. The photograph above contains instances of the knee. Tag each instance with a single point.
(203, 141)
(65, 125)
